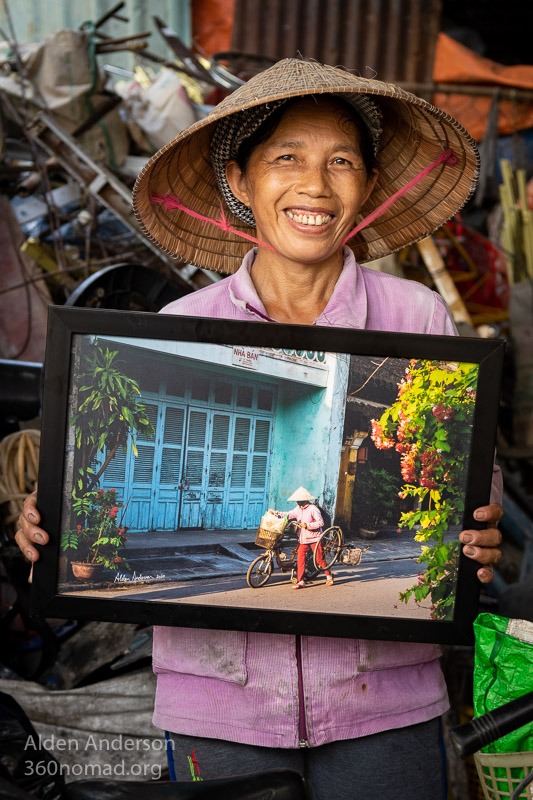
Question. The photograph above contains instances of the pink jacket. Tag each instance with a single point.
(313, 519)
(244, 686)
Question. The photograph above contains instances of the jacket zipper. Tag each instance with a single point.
(302, 723)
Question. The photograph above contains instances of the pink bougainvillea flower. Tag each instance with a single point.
(442, 413)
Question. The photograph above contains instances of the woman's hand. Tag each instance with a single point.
(483, 545)
(29, 532)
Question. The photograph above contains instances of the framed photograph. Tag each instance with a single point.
(192, 470)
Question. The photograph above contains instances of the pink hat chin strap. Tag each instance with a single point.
(172, 203)
(447, 158)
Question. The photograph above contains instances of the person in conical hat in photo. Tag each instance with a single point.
(286, 187)
(310, 529)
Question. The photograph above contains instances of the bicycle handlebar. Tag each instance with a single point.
(471, 736)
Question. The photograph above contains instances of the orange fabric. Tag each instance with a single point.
(212, 22)
(455, 63)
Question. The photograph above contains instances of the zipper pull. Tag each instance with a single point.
(303, 743)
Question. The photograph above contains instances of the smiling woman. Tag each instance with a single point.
(317, 168)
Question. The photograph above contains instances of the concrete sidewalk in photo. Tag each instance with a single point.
(188, 554)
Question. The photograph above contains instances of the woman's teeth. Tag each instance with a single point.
(310, 219)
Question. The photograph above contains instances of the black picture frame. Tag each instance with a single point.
(270, 408)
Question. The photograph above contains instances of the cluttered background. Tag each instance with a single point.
(88, 92)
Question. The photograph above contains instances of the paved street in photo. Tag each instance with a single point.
(357, 590)
(209, 568)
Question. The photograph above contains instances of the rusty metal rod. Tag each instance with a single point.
(133, 47)
(111, 13)
(176, 67)
(97, 115)
(44, 276)
(121, 39)
(506, 93)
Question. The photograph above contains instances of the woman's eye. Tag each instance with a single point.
(342, 161)
(285, 157)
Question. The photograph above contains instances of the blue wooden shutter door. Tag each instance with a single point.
(167, 492)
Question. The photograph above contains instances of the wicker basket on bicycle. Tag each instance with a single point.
(270, 530)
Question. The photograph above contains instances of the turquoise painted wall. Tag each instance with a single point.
(308, 438)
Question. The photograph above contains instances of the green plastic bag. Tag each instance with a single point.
(503, 671)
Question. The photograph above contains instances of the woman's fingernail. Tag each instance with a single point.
(480, 515)
(32, 517)
(38, 538)
(467, 538)
(29, 555)
(469, 551)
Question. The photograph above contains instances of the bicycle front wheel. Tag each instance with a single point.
(331, 541)
(259, 571)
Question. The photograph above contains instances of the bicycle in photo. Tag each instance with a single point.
(281, 550)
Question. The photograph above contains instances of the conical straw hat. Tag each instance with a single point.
(301, 494)
(415, 134)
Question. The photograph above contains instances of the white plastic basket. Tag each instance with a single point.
(501, 773)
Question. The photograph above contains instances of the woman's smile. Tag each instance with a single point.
(316, 219)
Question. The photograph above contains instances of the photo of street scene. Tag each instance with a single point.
(182, 458)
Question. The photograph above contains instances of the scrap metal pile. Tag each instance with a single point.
(75, 131)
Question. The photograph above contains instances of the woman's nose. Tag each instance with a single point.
(313, 180)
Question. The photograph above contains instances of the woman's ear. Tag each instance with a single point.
(237, 182)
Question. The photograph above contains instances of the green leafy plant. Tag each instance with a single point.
(109, 412)
(428, 425)
(100, 537)
(107, 415)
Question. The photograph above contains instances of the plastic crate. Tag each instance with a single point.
(501, 773)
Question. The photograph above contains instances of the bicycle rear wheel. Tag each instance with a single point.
(259, 571)
(331, 541)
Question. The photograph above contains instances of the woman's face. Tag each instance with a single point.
(306, 183)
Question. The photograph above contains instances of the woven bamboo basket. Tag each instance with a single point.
(266, 538)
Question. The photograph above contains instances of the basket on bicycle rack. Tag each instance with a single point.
(501, 773)
(266, 538)
(270, 530)
(351, 555)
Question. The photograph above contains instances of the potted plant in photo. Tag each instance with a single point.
(99, 538)
(107, 414)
